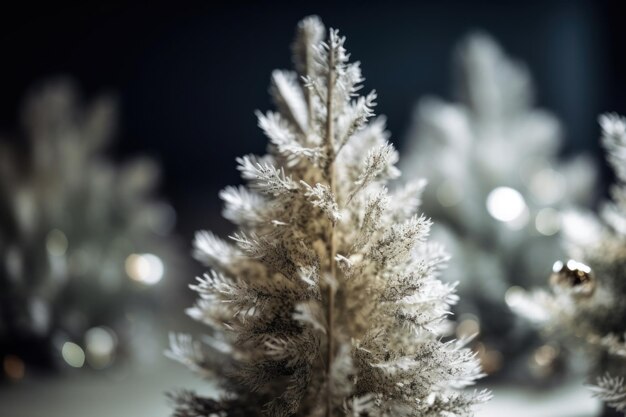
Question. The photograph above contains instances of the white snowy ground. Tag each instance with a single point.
(137, 394)
(571, 400)
(141, 394)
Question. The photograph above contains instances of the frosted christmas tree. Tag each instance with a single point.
(587, 305)
(496, 190)
(74, 228)
(326, 301)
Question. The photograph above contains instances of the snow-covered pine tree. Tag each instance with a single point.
(72, 225)
(587, 305)
(328, 303)
(497, 190)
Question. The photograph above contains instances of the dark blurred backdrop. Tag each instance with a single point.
(188, 75)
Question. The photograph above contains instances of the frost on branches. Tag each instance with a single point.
(69, 221)
(587, 304)
(326, 301)
(497, 191)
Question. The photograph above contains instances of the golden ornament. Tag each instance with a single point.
(573, 277)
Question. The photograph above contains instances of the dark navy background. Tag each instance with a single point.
(189, 75)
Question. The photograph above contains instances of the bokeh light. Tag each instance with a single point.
(145, 268)
(506, 204)
(56, 243)
(100, 343)
(13, 367)
(73, 355)
(548, 221)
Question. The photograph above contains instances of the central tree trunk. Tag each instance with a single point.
(330, 291)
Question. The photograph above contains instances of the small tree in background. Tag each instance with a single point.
(74, 227)
(497, 192)
(587, 304)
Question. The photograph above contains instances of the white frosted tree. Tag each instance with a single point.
(496, 190)
(326, 301)
(587, 305)
(73, 224)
